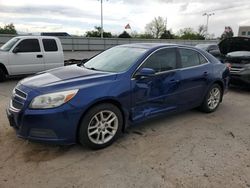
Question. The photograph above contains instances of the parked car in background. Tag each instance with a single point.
(30, 54)
(207, 47)
(237, 53)
(56, 34)
(95, 102)
(212, 49)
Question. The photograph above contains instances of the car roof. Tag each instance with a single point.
(36, 36)
(154, 45)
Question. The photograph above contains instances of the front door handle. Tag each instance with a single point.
(206, 74)
(39, 56)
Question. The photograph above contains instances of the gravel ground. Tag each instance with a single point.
(191, 149)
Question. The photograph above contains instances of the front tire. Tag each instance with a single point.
(100, 126)
(2, 75)
(212, 99)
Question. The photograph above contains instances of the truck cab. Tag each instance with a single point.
(30, 54)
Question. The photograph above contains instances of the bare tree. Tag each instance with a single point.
(202, 30)
(156, 27)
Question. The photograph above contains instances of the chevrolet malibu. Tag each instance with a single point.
(93, 103)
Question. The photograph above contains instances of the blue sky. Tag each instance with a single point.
(78, 16)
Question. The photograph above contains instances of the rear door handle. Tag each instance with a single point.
(39, 56)
(206, 73)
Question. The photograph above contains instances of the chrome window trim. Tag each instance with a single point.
(175, 47)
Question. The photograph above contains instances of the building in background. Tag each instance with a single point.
(244, 31)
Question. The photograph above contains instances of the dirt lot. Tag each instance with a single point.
(191, 149)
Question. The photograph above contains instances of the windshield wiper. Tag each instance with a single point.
(90, 68)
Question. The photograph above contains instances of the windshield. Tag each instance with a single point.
(117, 59)
(8, 45)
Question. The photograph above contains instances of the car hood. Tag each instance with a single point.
(234, 44)
(68, 76)
(244, 54)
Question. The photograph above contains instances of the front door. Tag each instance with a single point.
(28, 59)
(157, 93)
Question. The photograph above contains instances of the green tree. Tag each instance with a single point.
(167, 34)
(8, 29)
(124, 35)
(97, 33)
(145, 36)
(189, 33)
(156, 27)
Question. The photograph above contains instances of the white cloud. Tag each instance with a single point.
(80, 15)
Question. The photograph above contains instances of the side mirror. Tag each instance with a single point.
(16, 50)
(145, 72)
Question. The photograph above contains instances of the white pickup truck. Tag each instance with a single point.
(30, 54)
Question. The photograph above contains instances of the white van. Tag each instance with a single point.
(30, 54)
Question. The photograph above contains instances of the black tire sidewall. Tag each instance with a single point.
(83, 130)
(2, 75)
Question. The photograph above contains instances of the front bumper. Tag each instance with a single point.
(55, 126)
(241, 78)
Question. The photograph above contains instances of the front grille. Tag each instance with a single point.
(20, 94)
(17, 104)
(236, 70)
(18, 100)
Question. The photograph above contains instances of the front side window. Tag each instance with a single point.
(190, 58)
(29, 45)
(162, 60)
(49, 45)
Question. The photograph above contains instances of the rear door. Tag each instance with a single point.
(158, 93)
(28, 59)
(194, 76)
(53, 55)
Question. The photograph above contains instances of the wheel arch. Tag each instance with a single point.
(2, 66)
(102, 101)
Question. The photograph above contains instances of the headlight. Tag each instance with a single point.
(52, 100)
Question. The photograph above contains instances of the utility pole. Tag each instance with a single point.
(102, 17)
(208, 15)
(166, 23)
(101, 20)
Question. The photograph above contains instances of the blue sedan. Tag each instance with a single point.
(95, 102)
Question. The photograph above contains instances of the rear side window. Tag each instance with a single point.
(190, 58)
(49, 45)
(29, 45)
(162, 60)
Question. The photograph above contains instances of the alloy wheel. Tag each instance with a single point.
(102, 127)
(214, 98)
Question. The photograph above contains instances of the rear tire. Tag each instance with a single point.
(2, 75)
(212, 99)
(100, 126)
